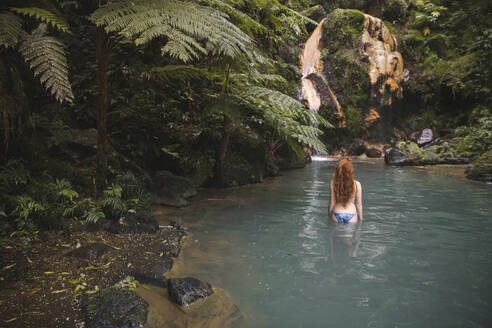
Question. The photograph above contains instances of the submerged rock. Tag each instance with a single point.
(115, 307)
(134, 223)
(185, 291)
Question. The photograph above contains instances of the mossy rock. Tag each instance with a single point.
(115, 307)
(343, 29)
(481, 169)
(315, 13)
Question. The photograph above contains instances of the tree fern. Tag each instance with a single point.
(179, 73)
(10, 29)
(185, 24)
(45, 16)
(288, 117)
(46, 57)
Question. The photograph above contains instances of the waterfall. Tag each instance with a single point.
(376, 53)
(310, 63)
(315, 89)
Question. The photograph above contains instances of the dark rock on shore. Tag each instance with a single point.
(134, 223)
(115, 307)
(90, 252)
(171, 190)
(373, 152)
(357, 148)
(154, 275)
(185, 291)
(481, 170)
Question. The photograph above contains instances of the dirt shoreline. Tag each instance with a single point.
(43, 285)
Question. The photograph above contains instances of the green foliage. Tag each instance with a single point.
(45, 16)
(288, 117)
(477, 138)
(345, 27)
(10, 29)
(185, 25)
(171, 73)
(46, 58)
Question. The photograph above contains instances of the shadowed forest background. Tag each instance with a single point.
(101, 103)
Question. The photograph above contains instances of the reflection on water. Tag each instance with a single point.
(421, 258)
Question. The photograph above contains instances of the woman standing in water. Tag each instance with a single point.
(344, 192)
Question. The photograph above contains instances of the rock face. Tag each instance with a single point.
(185, 291)
(409, 153)
(356, 64)
(115, 307)
(134, 223)
(172, 190)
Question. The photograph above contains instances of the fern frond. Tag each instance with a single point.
(244, 22)
(46, 57)
(178, 73)
(185, 24)
(10, 29)
(288, 117)
(44, 16)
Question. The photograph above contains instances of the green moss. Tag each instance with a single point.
(345, 26)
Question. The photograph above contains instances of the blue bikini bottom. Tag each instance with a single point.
(344, 217)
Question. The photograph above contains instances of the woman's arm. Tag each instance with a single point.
(332, 203)
(358, 200)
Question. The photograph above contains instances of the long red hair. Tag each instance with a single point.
(343, 182)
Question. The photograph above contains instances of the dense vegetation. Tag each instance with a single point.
(96, 96)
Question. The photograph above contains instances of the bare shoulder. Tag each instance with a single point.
(359, 186)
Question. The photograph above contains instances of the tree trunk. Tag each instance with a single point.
(102, 56)
(222, 151)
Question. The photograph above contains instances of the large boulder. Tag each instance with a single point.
(134, 223)
(373, 152)
(357, 148)
(171, 190)
(154, 274)
(185, 291)
(423, 137)
(481, 170)
(115, 307)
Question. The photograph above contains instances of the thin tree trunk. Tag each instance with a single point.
(222, 151)
(102, 56)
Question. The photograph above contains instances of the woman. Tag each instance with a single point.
(344, 191)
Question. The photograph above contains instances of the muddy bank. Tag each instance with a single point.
(44, 283)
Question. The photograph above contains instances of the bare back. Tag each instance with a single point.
(353, 206)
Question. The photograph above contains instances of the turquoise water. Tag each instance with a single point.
(421, 258)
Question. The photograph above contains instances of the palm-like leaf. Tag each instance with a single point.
(45, 16)
(185, 24)
(10, 29)
(179, 73)
(46, 57)
(288, 117)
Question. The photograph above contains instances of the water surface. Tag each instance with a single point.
(421, 258)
